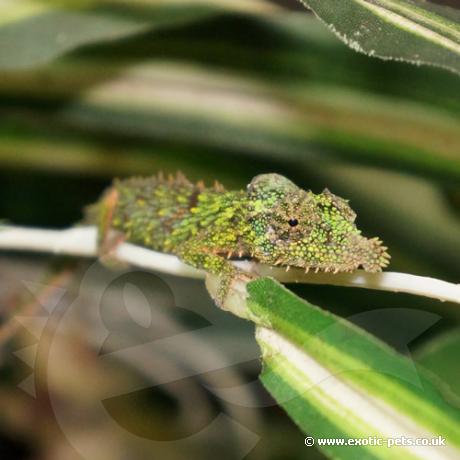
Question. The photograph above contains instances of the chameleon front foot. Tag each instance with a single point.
(229, 291)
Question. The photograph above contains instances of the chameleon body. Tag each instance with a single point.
(273, 221)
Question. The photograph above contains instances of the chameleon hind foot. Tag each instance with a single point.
(109, 239)
(107, 250)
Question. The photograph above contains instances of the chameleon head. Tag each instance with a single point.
(294, 227)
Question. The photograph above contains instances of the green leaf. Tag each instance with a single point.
(336, 380)
(415, 31)
(36, 31)
(32, 33)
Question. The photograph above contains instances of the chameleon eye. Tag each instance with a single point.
(293, 222)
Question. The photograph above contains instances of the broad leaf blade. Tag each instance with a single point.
(413, 31)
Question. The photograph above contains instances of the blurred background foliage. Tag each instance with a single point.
(220, 90)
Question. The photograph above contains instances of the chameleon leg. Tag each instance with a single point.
(212, 263)
(107, 238)
(105, 216)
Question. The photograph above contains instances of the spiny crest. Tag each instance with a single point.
(171, 181)
(218, 187)
(294, 227)
(178, 180)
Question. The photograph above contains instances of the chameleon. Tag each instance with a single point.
(272, 221)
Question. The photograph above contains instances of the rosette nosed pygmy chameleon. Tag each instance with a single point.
(273, 222)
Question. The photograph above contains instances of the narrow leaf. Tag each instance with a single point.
(414, 31)
(333, 377)
(36, 31)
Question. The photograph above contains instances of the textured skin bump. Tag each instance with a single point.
(273, 221)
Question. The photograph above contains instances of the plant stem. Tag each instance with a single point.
(81, 241)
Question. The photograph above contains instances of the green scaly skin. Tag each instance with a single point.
(273, 221)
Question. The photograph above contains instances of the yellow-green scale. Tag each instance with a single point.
(163, 216)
